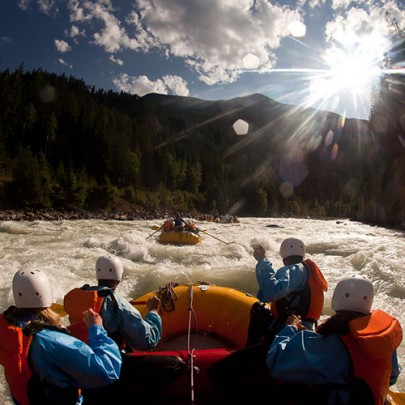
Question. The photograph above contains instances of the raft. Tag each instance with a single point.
(201, 324)
(179, 238)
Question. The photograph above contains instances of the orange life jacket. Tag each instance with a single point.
(14, 348)
(26, 388)
(75, 303)
(168, 226)
(190, 227)
(311, 297)
(371, 342)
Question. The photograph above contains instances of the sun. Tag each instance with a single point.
(351, 70)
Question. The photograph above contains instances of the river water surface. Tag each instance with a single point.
(68, 250)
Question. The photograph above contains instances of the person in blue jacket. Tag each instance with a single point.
(123, 322)
(350, 359)
(140, 375)
(43, 363)
(297, 287)
(179, 223)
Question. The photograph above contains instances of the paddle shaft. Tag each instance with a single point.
(157, 230)
(212, 236)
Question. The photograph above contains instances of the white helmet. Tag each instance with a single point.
(109, 268)
(31, 289)
(353, 293)
(292, 247)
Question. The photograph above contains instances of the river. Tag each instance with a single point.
(68, 250)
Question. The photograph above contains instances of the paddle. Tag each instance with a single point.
(212, 236)
(157, 230)
(398, 397)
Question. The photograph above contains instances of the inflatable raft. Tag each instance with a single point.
(201, 324)
(179, 238)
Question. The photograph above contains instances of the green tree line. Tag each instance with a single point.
(67, 145)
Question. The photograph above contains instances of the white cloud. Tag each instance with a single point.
(112, 36)
(118, 61)
(64, 63)
(212, 36)
(313, 3)
(5, 40)
(141, 85)
(75, 32)
(62, 46)
(47, 7)
(24, 4)
(359, 26)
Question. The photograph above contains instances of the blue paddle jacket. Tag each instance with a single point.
(58, 359)
(274, 285)
(65, 361)
(121, 318)
(277, 284)
(309, 358)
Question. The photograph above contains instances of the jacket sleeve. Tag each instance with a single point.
(142, 333)
(65, 361)
(396, 369)
(309, 358)
(274, 285)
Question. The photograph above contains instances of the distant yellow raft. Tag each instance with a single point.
(180, 238)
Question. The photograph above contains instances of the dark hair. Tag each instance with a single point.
(292, 260)
(338, 323)
(113, 284)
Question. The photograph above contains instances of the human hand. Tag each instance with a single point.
(92, 318)
(153, 303)
(258, 252)
(294, 320)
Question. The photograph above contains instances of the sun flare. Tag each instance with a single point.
(350, 70)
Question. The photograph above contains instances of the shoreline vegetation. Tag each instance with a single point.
(122, 214)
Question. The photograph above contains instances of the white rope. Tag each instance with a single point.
(189, 350)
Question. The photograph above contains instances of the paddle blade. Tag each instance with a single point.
(155, 227)
(397, 398)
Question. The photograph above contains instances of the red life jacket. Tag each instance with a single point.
(75, 303)
(14, 347)
(371, 342)
(311, 297)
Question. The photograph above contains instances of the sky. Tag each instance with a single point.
(324, 54)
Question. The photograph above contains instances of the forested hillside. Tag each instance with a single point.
(66, 145)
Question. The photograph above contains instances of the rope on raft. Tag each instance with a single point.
(167, 296)
(191, 314)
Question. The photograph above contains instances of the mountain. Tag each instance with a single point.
(84, 149)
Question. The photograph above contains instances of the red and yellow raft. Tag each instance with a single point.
(201, 324)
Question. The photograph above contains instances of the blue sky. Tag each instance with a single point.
(324, 54)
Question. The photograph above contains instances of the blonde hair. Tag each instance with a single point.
(44, 315)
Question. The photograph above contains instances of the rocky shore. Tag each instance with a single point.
(55, 215)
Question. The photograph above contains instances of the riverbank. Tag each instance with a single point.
(133, 213)
(55, 215)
